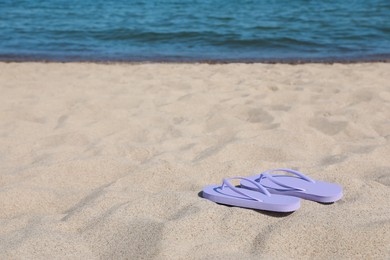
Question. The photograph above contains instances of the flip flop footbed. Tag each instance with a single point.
(275, 202)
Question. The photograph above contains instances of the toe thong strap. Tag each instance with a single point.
(288, 187)
(226, 182)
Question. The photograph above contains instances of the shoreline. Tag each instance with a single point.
(384, 58)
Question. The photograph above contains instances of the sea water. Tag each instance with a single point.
(194, 30)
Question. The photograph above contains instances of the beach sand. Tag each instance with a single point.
(107, 160)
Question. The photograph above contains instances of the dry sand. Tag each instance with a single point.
(106, 161)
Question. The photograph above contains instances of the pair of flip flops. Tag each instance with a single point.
(273, 192)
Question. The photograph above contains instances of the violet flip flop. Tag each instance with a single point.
(257, 198)
(299, 185)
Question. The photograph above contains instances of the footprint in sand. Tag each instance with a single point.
(280, 108)
(139, 238)
(258, 115)
(73, 139)
(363, 95)
(333, 159)
(61, 121)
(380, 175)
(328, 127)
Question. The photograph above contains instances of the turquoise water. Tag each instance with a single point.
(218, 30)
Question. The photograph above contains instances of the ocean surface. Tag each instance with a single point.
(196, 30)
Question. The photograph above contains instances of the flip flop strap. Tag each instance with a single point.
(288, 187)
(226, 182)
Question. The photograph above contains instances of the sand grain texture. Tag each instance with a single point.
(106, 161)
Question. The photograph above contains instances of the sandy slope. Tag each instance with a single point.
(106, 161)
